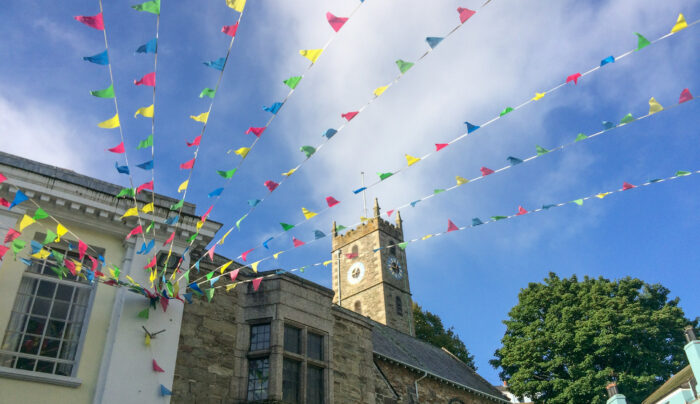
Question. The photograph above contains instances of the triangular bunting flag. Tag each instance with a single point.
(451, 226)
(679, 25)
(403, 65)
(307, 213)
(311, 54)
(97, 22)
(256, 283)
(654, 106)
(336, 22)
(410, 160)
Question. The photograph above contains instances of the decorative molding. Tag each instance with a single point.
(40, 377)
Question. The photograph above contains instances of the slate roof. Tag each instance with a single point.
(404, 349)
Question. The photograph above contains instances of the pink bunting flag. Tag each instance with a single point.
(157, 368)
(465, 14)
(147, 80)
(233, 274)
(351, 256)
(206, 214)
(136, 230)
(151, 263)
(94, 21)
(521, 211)
(574, 78)
(70, 265)
(271, 185)
(11, 235)
(256, 131)
(627, 185)
(119, 149)
(331, 201)
(94, 263)
(486, 171)
(440, 146)
(210, 253)
(2, 178)
(389, 212)
(350, 115)
(4, 202)
(230, 30)
(82, 248)
(147, 185)
(451, 226)
(187, 165)
(685, 96)
(244, 256)
(336, 22)
(297, 242)
(256, 283)
(195, 142)
(164, 303)
(3, 250)
(170, 239)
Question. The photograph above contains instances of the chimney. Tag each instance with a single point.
(614, 396)
(692, 351)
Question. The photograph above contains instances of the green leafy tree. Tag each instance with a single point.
(566, 340)
(429, 328)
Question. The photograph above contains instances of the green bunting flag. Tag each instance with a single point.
(178, 205)
(286, 226)
(150, 226)
(152, 6)
(209, 293)
(169, 286)
(130, 192)
(18, 245)
(226, 174)
(58, 271)
(438, 191)
(682, 173)
(403, 65)
(292, 82)
(340, 227)
(307, 150)
(641, 41)
(383, 176)
(106, 93)
(505, 111)
(579, 202)
(403, 245)
(541, 150)
(580, 136)
(50, 237)
(627, 119)
(238, 222)
(148, 142)
(144, 313)
(207, 92)
(209, 275)
(116, 271)
(57, 256)
(192, 237)
(186, 276)
(497, 218)
(40, 214)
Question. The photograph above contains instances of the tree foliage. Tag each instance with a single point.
(566, 340)
(429, 328)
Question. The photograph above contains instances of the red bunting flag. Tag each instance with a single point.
(2, 178)
(271, 185)
(134, 231)
(350, 115)
(230, 30)
(256, 283)
(521, 211)
(206, 214)
(331, 201)
(157, 368)
(170, 239)
(119, 149)
(70, 265)
(94, 263)
(627, 185)
(389, 212)
(210, 253)
(195, 142)
(244, 256)
(3, 250)
(233, 274)
(4, 202)
(297, 242)
(574, 78)
(94, 21)
(486, 171)
(82, 248)
(187, 165)
(451, 226)
(685, 96)
(147, 80)
(336, 22)
(11, 235)
(147, 185)
(164, 304)
(440, 146)
(256, 131)
(465, 14)
(151, 263)
(352, 255)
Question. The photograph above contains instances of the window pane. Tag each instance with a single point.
(49, 347)
(72, 331)
(314, 385)
(36, 325)
(25, 364)
(259, 337)
(314, 348)
(258, 377)
(64, 369)
(11, 341)
(55, 328)
(30, 344)
(64, 293)
(290, 381)
(46, 289)
(17, 322)
(59, 310)
(68, 350)
(292, 339)
(41, 306)
(45, 366)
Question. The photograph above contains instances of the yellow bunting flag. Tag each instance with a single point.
(602, 195)
(237, 5)
(224, 237)
(154, 275)
(411, 160)
(78, 266)
(226, 265)
(307, 213)
(311, 54)
(325, 263)
(380, 90)
(364, 219)
(654, 106)
(41, 254)
(199, 224)
(60, 231)
(26, 221)
(146, 112)
(183, 186)
(110, 123)
(130, 279)
(277, 254)
(243, 151)
(461, 180)
(201, 117)
(426, 237)
(538, 96)
(231, 286)
(130, 212)
(114, 274)
(147, 208)
(254, 266)
(147, 342)
(290, 172)
(680, 24)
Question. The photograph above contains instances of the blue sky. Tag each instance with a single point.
(501, 57)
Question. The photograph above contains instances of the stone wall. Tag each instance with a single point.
(351, 359)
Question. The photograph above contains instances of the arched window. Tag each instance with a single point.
(358, 307)
(354, 251)
(399, 306)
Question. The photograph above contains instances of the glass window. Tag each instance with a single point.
(314, 385)
(259, 337)
(290, 380)
(292, 339)
(258, 378)
(399, 306)
(314, 349)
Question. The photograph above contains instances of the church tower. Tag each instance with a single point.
(369, 272)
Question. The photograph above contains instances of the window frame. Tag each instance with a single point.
(259, 354)
(305, 361)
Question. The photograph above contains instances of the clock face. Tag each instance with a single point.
(356, 273)
(394, 267)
